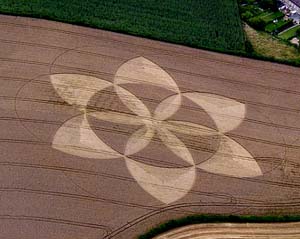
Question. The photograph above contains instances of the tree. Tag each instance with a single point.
(268, 4)
(246, 15)
(257, 23)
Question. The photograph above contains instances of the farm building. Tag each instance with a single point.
(295, 17)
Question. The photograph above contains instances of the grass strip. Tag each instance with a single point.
(271, 27)
(269, 17)
(290, 33)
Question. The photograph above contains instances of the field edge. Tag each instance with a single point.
(249, 53)
(214, 218)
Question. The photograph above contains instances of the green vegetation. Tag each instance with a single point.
(257, 23)
(266, 46)
(263, 15)
(272, 27)
(263, 24)
(249, 10)
(268, 4)
(260, 4)
(290, 33)
(216, 219)
(210, 24)
(263, 19)
(207, 24)
(270, 17)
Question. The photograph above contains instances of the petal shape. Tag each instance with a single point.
(77, 138)
(117, 117)
(142, 71)
(139, 140)
(226, 113)
(165, 184)
(175, 145)
(77, 89)
(232, 159)
(133, 103)
(189, 128)
(168, 107)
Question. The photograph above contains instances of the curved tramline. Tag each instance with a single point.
(104, 135)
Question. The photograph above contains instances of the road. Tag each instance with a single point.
(104, 135)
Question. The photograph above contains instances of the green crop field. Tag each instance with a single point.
(210, 24)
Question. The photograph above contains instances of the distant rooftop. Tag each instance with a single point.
(295, 17)
(296, 2)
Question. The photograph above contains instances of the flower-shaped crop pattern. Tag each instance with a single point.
(165, 184)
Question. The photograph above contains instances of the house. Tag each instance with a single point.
(295, 41)
(295, 17)
(293, 5)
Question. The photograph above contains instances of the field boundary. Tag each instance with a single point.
(195, 24)
(210, 218)
(248, 54)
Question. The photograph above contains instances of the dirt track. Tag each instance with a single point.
(104, 135)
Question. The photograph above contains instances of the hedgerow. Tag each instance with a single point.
(210, 24)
